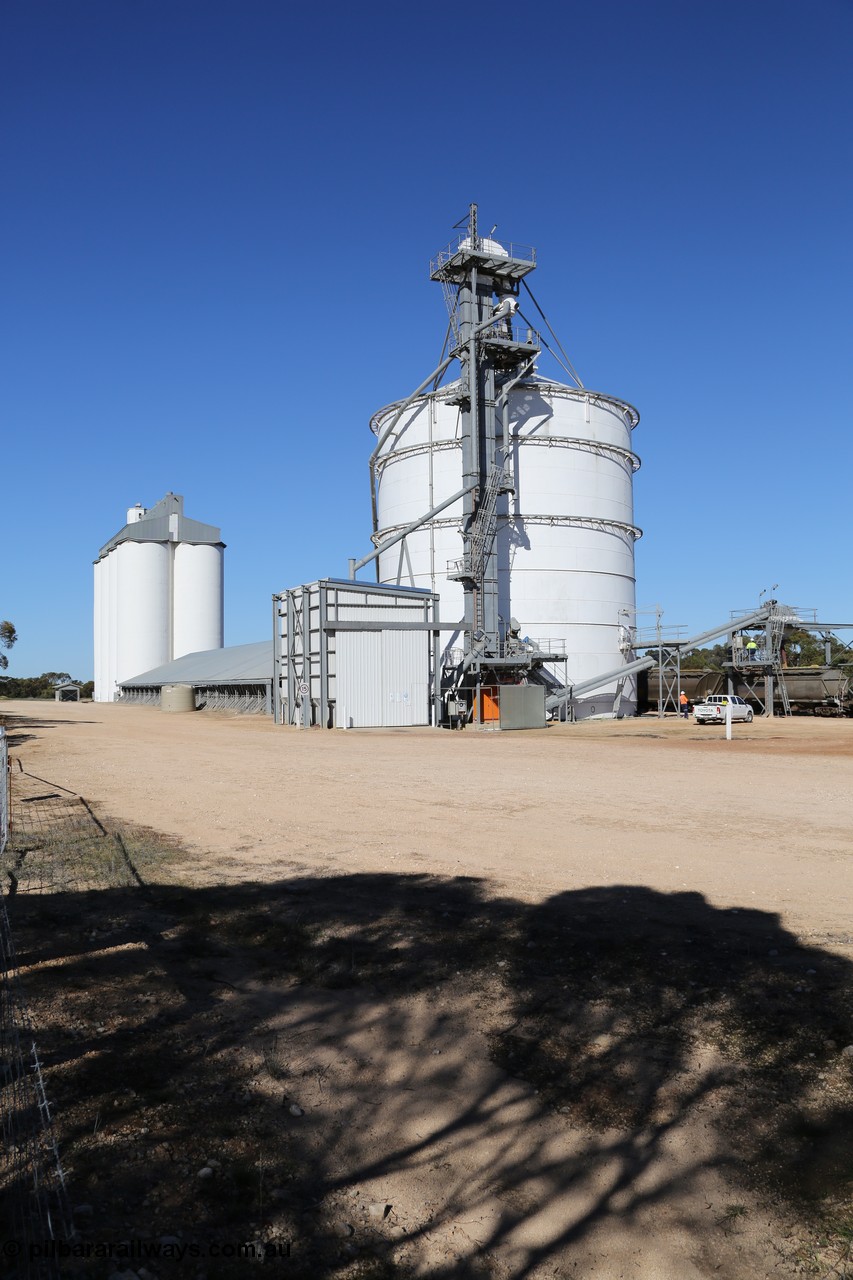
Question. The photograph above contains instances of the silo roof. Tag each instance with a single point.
(165, 522)
(237, 664)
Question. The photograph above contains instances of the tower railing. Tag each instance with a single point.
(502, 332)
(483, 247)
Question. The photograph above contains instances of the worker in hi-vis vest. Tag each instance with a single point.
(685, 705)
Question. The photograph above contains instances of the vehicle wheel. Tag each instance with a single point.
(749, 716)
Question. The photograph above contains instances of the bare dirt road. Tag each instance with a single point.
(766, 820)
(559, 1003)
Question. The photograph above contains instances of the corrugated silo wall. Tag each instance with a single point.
(565, 537)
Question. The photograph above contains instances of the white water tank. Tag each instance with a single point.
(565, 540)
(158, 594)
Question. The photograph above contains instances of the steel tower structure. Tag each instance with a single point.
(480, 278)
(492, 358)
(481, 281)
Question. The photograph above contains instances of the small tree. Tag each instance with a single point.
(807, 649)
(704, 659)
(8, 636)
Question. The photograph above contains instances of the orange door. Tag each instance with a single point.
(489, 705)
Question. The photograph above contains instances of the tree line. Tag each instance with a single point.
(43, 686)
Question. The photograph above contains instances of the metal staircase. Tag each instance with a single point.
(776, 630)
(452, 302)
(484, 527)
(481, 536)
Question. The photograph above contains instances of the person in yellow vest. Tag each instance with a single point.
(751, 648)
(684, 704)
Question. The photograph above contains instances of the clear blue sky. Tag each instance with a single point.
(216, 223)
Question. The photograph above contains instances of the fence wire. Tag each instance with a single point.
(50, 841)
(57, 845)
(35, 1206)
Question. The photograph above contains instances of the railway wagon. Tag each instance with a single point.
(819, 691)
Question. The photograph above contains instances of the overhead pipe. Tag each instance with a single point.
(503, 402)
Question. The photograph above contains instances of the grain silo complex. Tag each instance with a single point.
(158, 593)
(510, 495)
(503, 549)
(500, 590)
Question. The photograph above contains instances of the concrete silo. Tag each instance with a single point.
(538, 538)
(158, 593)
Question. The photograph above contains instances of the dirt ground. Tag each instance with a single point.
(564, 1003)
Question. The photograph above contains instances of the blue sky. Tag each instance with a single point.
(216, 224)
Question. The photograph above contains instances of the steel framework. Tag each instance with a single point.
(480, 280)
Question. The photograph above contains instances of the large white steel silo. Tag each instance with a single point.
(564, 533)
(158, 593)
(565, 538)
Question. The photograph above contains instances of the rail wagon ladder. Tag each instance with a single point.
(777, 629)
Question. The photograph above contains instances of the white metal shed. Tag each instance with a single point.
(356, 655)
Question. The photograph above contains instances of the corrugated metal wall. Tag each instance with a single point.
(331, 672)
(382, 678)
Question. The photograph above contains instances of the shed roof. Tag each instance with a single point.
(238, 664)
(164, 522)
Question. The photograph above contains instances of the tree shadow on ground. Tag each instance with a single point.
(18, 727)
(369, 1062)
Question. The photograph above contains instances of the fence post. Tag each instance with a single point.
(4, 792)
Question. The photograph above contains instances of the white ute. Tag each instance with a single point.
(713, 709)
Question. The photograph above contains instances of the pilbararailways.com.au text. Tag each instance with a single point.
(144, 1250)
